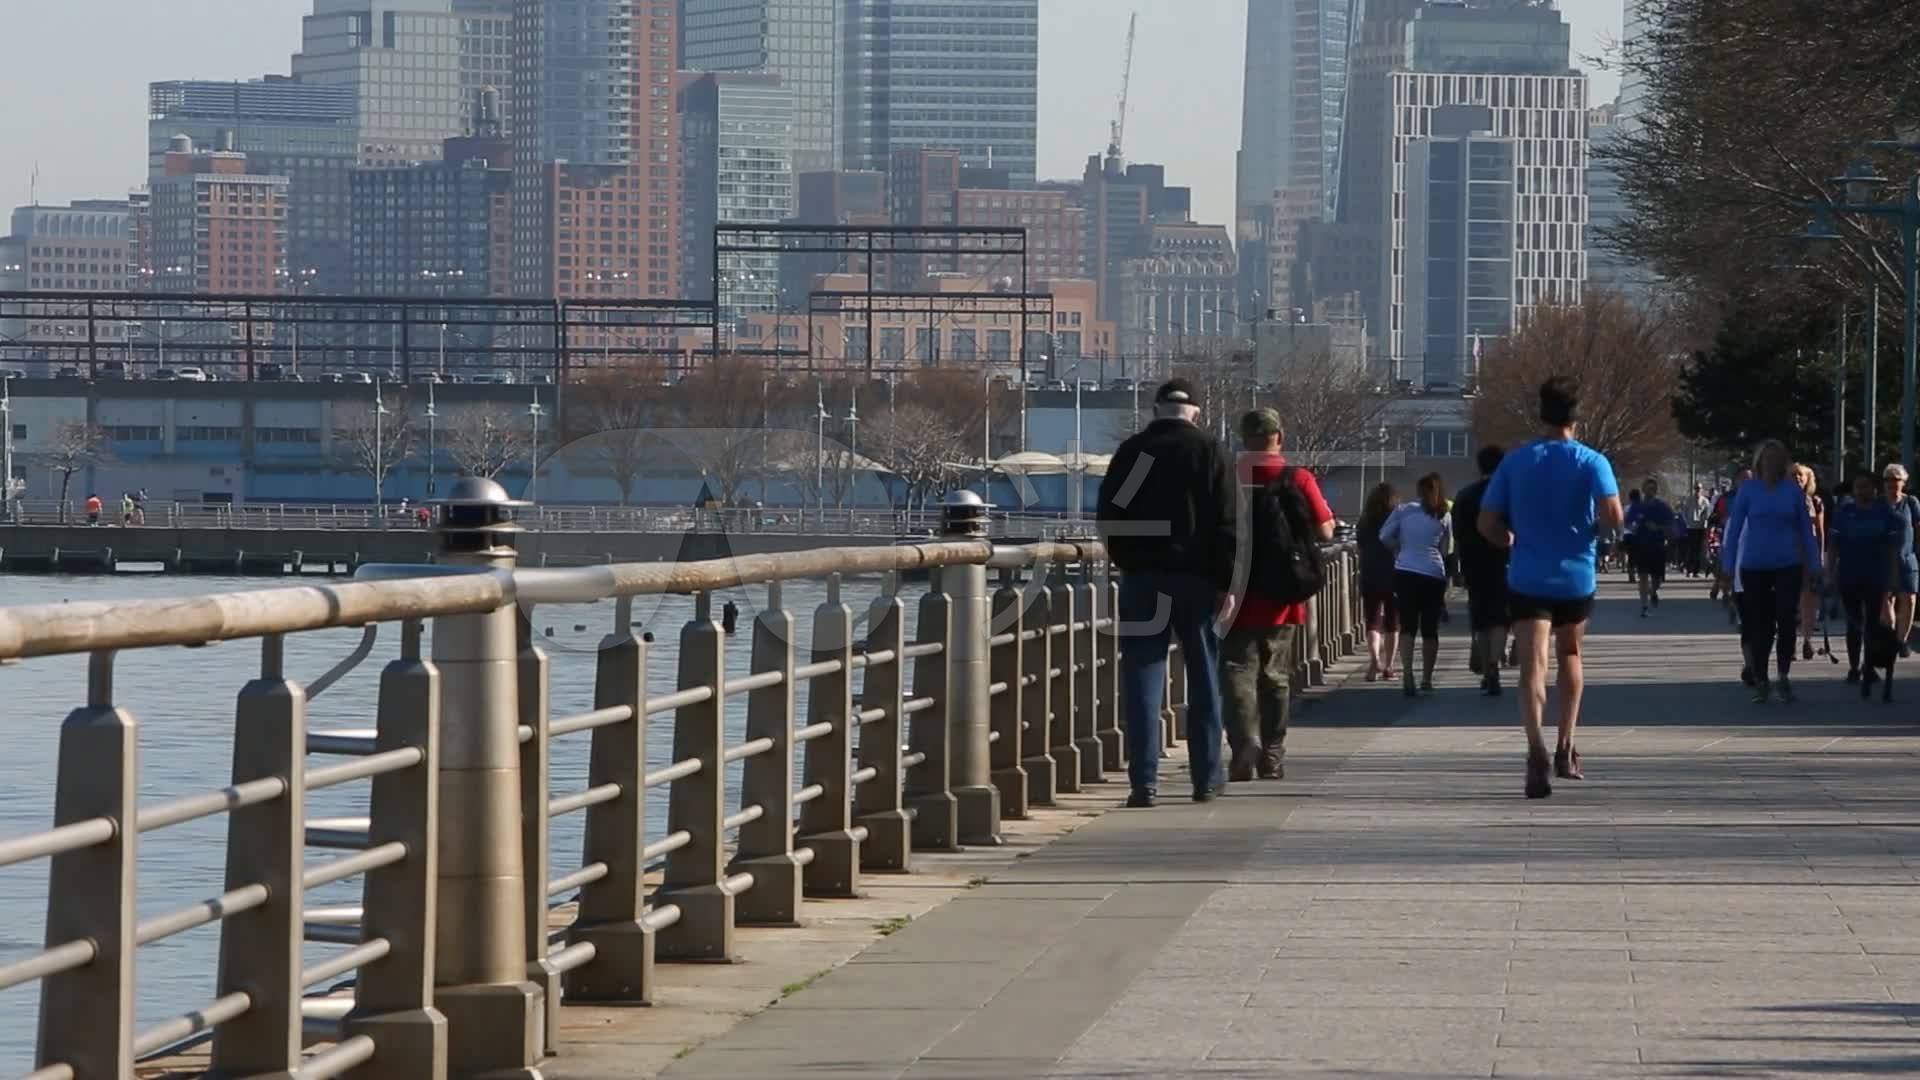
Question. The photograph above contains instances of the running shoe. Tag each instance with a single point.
(1853, 676)
(1746, 675)
(1566, 764)
(1761, 692)
(1806, 649)
(1784, 690)
(1643, 611)
(1426, 685)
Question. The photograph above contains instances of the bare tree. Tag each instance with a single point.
(1329, 408)
(723, 409)
(921, 446)
(75, 447)
(487, 440)
(1625, 362)
(610, 422)
(375, 439)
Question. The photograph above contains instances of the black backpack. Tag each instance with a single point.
(1285, 563)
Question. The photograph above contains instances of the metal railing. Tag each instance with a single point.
(569, 519)
(1000, 702)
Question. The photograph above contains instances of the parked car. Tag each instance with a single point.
(165, 374)
(332, 377)
(269, 373)
(192, 374)
(360, 377)
(110, 369)
(68, 373)
(423, 378)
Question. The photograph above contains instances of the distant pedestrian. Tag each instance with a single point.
(1167, 511)
(1484, 565)
(140, 507)
(94, 507)
(1287, 518)
(1649, 524)
(1548, 500)
(1769, 552)
(1419, 534)
(1865, 564)
(1906, 508)
(1810, 595)
(126, 509)
(729, 617)
(1376, 583)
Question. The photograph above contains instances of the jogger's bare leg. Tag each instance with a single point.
(1572, 682)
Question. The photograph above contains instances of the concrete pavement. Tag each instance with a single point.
(1733, 892)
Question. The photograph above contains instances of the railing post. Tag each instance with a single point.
(86, 1015)
(393, 996)
(260, 950)
(1008, 716)
(877, 803)
(936, 813)
(696, 880)
(1060, 744)
(1113, 740)
(612, 913)
(495, 1014)
(766, 845)
(1086, 688)
(1036, 705)
(536, 755)
(826, 820)
(964, 516)
(1314, 663)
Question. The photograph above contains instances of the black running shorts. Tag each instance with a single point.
(1560, 613)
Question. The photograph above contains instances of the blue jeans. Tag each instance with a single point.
(1154, 608)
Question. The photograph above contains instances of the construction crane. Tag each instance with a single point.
(1117, 135)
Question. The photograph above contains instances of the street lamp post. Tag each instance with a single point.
(433, 418)
(534, 411)
(6, 443)
(1858, 183)
(379, 452)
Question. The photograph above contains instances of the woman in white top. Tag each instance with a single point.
(1419, 534)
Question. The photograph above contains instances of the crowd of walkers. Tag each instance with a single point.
(1220, 551)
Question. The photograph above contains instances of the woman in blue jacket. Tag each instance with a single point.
(1769, 550)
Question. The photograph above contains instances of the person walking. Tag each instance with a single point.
(1907, 509)
(1167, 512)
(1810, 598)
(1376, 583)
(1649, 523)
(94, 507)
(1865, 563)
(1769, 552)
(140, 507)
(1484, 566)
(1548, 500)
(1285, 513)
(126, 509)
(1696, 512)
(1418, 533)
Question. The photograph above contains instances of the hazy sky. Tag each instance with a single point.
(75, 75)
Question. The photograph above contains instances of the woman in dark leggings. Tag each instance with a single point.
(1864, 538)
(1770, 550)
(1376, 583)
(1419, 534)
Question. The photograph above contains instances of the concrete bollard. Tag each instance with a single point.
(765, 847)
(964, 515)
(929, 794)
(826, 816)
(878, 799)
(696, 876)
(613, 910)
(1086, 682)
(86, 1015)
(1063, 609)
(1037, 658)
(495, 1015)
(1007, 713)
(393, 996)
(260, 949)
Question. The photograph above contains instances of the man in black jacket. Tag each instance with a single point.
(1167, 515)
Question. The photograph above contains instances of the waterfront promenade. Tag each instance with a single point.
(1733, 892)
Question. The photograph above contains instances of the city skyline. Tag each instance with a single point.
(1185, 109)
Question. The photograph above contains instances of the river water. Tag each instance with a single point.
(183, 701)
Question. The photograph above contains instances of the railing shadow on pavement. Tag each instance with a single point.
(1003, 699)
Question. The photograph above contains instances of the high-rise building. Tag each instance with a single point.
(216, 227)
(1120, 206)
(959, 75)
(737, 142)
(1177, 297)
(793, 39)
(402, 59)
(439, 228)
(1636, 42)
(1606, 209)
(1514, 62)
(486, 56)
(302, 131)
(1056, 234)
(85, 246)
(596, 155)
(1291, 124)
(1460, 246)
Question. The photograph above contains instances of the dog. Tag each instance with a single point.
(1882, 648)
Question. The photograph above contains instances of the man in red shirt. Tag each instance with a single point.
(1256, 658)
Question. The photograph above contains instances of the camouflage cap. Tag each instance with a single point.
(1260, 423)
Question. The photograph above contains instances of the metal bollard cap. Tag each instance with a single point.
(476, 517)
(965, 514)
